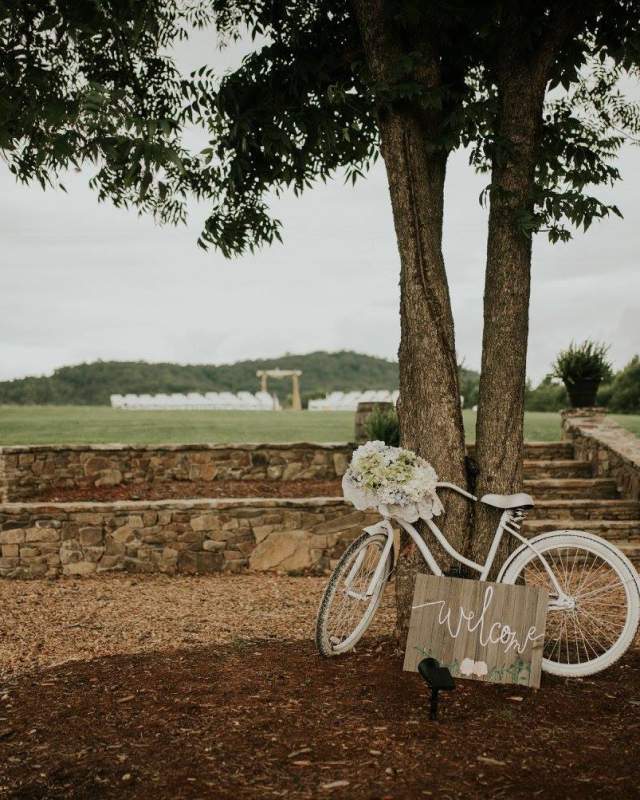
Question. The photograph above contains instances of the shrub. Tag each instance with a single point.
(469, 385)
(383, 425)
(603, 398)
(625, 389)
(547, 396)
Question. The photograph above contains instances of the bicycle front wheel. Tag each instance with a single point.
(346, 610)
(598, 623)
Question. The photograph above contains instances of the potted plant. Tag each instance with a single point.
(582, 368)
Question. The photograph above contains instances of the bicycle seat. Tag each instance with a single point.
(507, 501)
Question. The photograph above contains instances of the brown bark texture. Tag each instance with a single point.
(429, 409)
(500, 420)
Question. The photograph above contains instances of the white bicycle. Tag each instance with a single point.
(594, 590)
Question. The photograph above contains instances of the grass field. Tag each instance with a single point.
(101, 425)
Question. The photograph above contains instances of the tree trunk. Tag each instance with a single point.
(429, 408)
(500, 421)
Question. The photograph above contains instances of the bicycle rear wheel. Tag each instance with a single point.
(601, 622)
(346, 610)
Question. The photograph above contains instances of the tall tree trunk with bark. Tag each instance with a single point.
(500, 421)
(429, 409)
(522, 66)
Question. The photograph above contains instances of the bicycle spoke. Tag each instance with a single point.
(578, 635)
(350, 603)
(593, 580)
(596, 592)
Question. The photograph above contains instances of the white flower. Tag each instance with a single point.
(467, 667)
(396, 481)
(471, 667)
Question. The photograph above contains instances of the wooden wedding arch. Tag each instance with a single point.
(294, 374)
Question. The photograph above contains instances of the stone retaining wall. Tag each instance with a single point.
(612, 451)
(183, 536)
(27, 472)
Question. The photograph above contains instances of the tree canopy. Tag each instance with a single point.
(85, 81)
(95, 82)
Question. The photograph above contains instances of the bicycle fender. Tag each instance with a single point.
(578, 534)
(384, 526)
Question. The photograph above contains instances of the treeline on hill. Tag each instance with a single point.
(621, 395)
(92, 384)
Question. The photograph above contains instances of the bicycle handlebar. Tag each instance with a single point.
(453, 487)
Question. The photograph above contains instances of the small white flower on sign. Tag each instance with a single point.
(471, 667)
(467, 666)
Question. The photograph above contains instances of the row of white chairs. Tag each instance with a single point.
(348, 401)
(223, 401)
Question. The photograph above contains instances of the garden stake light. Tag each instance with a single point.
(438, 679)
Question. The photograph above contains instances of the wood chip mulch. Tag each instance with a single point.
(44, 623)
(271, 719)
(210, 687)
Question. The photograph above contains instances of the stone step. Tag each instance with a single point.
(571, 488)
(630, 549)
(558, 468)
(544, 451)
(613, 529)
(586, 509)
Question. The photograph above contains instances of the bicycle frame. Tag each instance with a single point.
(483, 569)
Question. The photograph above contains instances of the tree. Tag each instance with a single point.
(544, 150)
(87, 82)
(625, 389)
(549, 395)
(531, 88)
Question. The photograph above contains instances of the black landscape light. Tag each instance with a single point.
(438, 679)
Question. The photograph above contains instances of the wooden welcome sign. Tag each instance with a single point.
(479, 630)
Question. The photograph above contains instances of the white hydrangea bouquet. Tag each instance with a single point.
(396, 481)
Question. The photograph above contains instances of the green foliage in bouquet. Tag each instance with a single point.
(376, 471)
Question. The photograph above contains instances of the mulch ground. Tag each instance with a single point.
(184, 490)
(260, 719)
(46, 622)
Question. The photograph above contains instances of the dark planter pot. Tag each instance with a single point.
(582, 394)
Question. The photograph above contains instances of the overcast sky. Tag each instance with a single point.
(81, 281)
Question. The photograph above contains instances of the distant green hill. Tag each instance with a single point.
(92, 384)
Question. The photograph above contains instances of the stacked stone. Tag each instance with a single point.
(27, 472)
(31, 551)
(612, 451)
(175, 536)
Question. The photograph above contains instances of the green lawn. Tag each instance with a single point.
(629, 421)
(100, 425)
